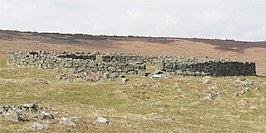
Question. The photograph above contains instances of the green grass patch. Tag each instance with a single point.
(19, 73)
(3, 59)
(141, 105)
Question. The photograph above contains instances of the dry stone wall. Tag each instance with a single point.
(67, 62)
(75, 62)
(195, 66)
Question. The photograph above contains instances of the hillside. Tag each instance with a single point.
(178, 104)
(45, 101)
(252, 51)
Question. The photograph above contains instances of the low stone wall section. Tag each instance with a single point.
(66, 62)
(77, 62)
(200, 66)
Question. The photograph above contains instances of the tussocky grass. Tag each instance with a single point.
(175, 104)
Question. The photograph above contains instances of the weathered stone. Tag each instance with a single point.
(38, 126)
(46, 115)
(211, 96)
(12, 115)
(35, 118)
(23, 112)
(246, 103)
(33, 107)
(102, 120)
(67, 122)
(158, 74)
(206, 81)
(113, 75)
(124, 80)
(129, 63)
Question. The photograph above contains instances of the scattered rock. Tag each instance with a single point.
(206, 81)
(257, 90)
(212, 96)
(146, 74)
(235, 94)
(38, 126)
(124, 80)
(102, 120)
(109, 76)
(18, 113)
(12, 115)
(33, 107)
(246, 83)
(242, 92)
(243, 82)
(113, 75)
(246, 103)
(158, 74)
(47, 115)
(35, 118)
(67, 122)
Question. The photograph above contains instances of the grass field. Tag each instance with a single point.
(143, 104)
(3, 59)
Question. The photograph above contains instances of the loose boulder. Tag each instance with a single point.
(67, 122)
(102, 120)
(38, 126)
(47, 115)
(12, 115)
(124, 80)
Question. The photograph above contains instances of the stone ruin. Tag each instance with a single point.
(25, 112)
(121, 63)
(206, 66)
(68, 62)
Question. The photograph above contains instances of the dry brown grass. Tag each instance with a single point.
(179, 104)
(148, 46)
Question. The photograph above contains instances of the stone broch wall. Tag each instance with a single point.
(67, 62)
(206, 66)
(74, 62)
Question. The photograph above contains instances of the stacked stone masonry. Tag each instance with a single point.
(206, 66)
(77, 62)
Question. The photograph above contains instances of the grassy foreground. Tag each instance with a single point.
(178, 104)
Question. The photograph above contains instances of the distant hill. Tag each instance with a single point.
(252, 51)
